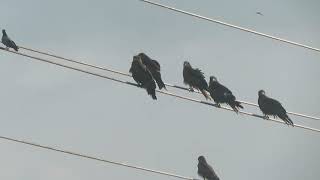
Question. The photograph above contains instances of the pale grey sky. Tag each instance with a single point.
(58, 107)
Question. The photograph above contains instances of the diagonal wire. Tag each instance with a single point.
(162, 92)
(96, 158)
(126, 74)
(232, 26)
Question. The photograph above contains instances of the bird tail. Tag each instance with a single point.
(160, 83)
(286, 119)
(206, 94)
(16, 48)
(235, 105)
(151, 89)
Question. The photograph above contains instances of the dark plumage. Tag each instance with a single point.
(195, 79)
(7, 41)
(154, 68)
(205, 170)
(259, 13)
(142, 76)
(272, 107)
(221, 94)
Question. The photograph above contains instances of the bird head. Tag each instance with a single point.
(213, 78)
(136, 58)
(142, 54)
(201, 159)
(261, 92)
(186, 64)
(3, 31)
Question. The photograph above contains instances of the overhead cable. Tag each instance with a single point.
(162, 92)
(96, 158)
(126, 74)
(231, 25)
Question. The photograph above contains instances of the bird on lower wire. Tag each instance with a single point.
(142, 76)
(8, 42)
(205, 170)
(195, 79)
(154, 68)
(221, 94)
(272, 107)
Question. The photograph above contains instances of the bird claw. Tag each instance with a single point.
(266, 117)
(191, 90)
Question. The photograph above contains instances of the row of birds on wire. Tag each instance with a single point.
(146, 72)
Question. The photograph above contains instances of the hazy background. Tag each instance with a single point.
(63, 108)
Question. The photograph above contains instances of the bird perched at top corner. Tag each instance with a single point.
(142, 76)
(154, 68)
(205, 170)
(7, 41)
(221, 94)
(195, 79)
(270, 106)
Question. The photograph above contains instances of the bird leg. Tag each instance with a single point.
(266, 117)
(218, 105)
(191, 89)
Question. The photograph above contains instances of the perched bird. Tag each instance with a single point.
(221, 94)
(272, 107)
(205, 170)
(142, 76)
(7, 41)
(154, 68)
(195, 79)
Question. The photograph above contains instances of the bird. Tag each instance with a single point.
(259, 13)
(195, 79)
(221, 94)
(143, 76)
(270, 106)
(8, 42)
(205, 170)
(154, 68)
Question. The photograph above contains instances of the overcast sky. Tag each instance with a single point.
(58, 107)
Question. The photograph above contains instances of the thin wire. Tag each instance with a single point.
(162, 92)
(126, 74)
(231, 25)
(96, 158)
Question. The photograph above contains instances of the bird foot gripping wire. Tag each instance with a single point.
(191, 89)
(266, 117)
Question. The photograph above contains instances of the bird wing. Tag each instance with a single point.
(8, 42)
(156, 65)
(273, 105)
(13, 43)
(210, 172)
(225, 90)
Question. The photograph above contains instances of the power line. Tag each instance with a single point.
(232, 26)
(126, 74)
(96, 158)
(162, 92)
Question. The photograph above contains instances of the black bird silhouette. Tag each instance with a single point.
(259, 13)
(195, 79)
(221, 94)
(272, 107)
(154, 68)
(7, 41)
(142, 76)
(205, 170)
